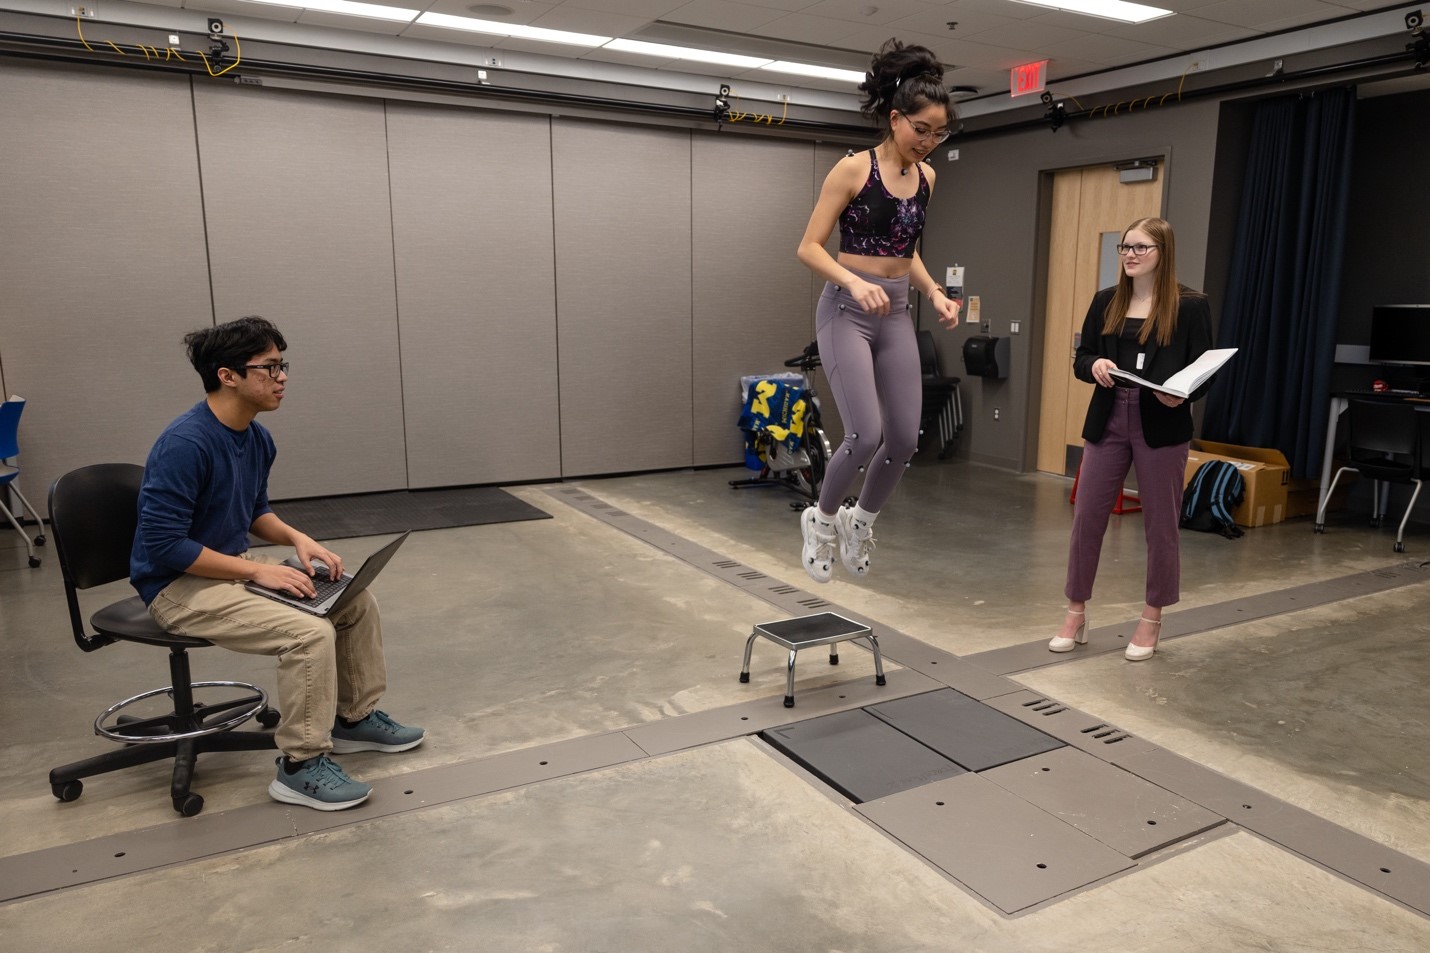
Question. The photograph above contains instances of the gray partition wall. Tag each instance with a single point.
(476, 274)
(300, 230)
(102, 262)
(751, 294)
(623, 247)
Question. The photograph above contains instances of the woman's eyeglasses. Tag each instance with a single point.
(1138, 250)
(924, 133)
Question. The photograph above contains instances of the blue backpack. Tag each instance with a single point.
(1216, 489)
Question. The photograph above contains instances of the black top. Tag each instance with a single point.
(1162, 426)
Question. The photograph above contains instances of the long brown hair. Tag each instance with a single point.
(1167, 292)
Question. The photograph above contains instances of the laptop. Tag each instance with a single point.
(333, 594)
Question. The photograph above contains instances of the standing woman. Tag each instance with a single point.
(1152, 326)
(866, 337)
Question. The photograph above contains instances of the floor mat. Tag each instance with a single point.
(376, 514)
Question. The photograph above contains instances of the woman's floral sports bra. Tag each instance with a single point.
(875, 223)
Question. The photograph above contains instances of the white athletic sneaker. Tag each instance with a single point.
(818, 555)
(855, 542)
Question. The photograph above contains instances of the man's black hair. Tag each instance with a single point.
(230, 345)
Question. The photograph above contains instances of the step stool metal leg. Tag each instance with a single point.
(749, 647)
(789, 680)
(833, 653)
(878, 659)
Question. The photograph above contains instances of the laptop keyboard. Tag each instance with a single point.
(326, 587)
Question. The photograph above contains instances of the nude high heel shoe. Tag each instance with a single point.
(1138, 653)
(1059, 644)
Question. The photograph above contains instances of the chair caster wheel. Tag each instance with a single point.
(1319, 528)
(39, 540)
(1400, 547)
(268, 718)
(881, 681)
(789, 701)
(189, 805)
(69, 791)
(34, 562)
(745, 677)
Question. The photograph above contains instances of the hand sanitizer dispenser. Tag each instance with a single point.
(986, 356)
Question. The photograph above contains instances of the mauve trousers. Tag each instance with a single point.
(1160, 478)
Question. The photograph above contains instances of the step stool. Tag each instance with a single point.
(826, 628)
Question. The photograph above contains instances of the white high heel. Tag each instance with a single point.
(1060, 644)
(1138, 653)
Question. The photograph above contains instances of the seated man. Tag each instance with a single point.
(205, 489)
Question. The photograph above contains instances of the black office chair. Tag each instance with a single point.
(942, 400)
(1386, 443)
(93, 516)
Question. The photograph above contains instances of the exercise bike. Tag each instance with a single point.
(801, 469)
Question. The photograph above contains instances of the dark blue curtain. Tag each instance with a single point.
(1283, 290)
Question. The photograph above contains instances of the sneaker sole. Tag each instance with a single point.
(349, 746)
(282, 792)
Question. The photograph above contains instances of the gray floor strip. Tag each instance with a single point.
(1113, 638)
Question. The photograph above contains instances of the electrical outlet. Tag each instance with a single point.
(1013, 327)
(1196, 67)
(87, 10)
(995, 413)
(491, 60)
(953, 155)
(173, 39)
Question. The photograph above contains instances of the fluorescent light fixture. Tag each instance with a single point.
(686, 53)
(1107, 9)
(822, 72)
(518, 30)
(349, 8)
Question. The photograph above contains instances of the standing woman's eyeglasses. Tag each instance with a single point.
(1138, 250)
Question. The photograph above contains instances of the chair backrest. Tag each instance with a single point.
(1423, 431)
(10, 412)
(928, 355)
(1383, 427)
(93, 516)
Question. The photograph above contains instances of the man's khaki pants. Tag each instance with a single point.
(326, 666)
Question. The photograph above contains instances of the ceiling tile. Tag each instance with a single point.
(523, 11)
(1262, 13)
(649, 9)
(1182, 32)
(1109, 50)
(578, 20)
(866, 11)
(803, 28)
(723, 15)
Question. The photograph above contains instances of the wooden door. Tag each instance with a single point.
(1087, 204)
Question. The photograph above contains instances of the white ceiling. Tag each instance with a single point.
(981, 39)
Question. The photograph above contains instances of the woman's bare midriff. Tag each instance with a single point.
(878, 266)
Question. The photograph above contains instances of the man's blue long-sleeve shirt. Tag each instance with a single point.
(204, 485)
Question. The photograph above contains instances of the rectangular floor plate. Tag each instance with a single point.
(1128, 814)
(860, 756)
(966, 731)
(993, 842)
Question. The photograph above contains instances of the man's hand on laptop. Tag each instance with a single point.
(284, 579)
(308, 549)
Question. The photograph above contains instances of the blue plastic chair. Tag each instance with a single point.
(10, 412)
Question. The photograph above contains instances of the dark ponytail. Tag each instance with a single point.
(906, 78)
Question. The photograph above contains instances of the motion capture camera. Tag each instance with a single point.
(1414, 20)
(722, 104)
(215, 28)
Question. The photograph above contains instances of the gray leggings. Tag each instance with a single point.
(873, 369)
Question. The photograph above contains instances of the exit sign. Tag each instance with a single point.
(1028, 78)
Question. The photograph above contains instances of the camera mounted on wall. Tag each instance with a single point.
(1057, 113)
(722, 104)
(218, 46)
(1420, 45)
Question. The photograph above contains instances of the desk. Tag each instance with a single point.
(1339, 403)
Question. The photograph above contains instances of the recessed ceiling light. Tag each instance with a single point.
(1107, 9)
(490, 10)
(519, 30)
(348, 8)
(687, 53)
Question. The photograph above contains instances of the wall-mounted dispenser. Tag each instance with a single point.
(986, 356)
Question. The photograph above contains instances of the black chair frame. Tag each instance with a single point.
(942, 398)
(1387, 443)
(93, 517)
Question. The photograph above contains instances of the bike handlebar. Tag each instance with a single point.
(808, 359)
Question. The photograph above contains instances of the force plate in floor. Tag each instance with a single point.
(965, 731)
(1130, 815)
(860, 756)
(993, 842)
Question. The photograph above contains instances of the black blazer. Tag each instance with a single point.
(1162, 426)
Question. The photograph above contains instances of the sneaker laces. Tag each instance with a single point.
(329, 773)
(862, 538)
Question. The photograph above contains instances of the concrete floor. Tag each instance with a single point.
(565, 629)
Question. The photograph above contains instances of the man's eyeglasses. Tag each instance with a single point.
(924, 133)
(273, 369)
(1138, 250)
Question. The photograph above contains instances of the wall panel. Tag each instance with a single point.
(623, 287)
(471, 209)
(751, 300)
(102, 262)
(300, 231)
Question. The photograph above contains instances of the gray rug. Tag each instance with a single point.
(377, 514)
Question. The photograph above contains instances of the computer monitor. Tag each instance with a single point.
(1400, 334)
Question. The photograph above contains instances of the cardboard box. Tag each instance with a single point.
(1266, 473)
